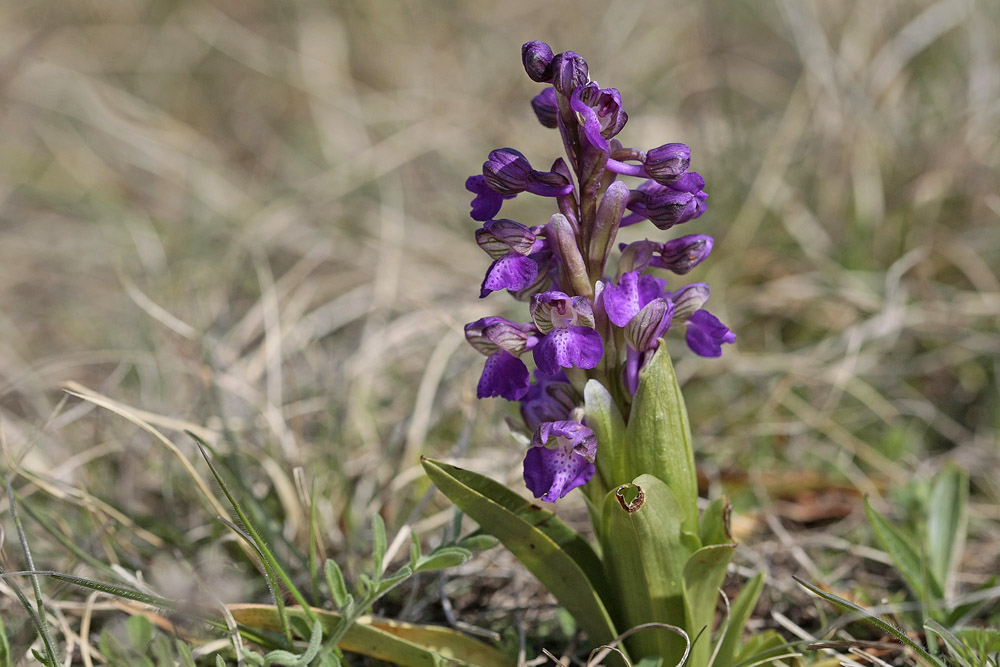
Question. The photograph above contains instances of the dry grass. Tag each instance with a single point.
(249, 218)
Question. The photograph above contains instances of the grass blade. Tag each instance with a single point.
(272, 569)
(862, 614)
(42, 625)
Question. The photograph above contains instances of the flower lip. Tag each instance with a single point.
(487, 202)
(706, 334)
(504, 375)
(560, 459)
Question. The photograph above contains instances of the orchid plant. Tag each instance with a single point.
(602, 411)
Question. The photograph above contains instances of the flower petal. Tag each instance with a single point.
(706, 334)
(621, 301)
(573, 347)
(504, 375)
(513, 272)
(487, 201)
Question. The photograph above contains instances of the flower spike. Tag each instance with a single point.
(585, 327)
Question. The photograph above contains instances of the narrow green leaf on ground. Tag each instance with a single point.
(947, 517)
(904, 555)
(865, 616)
(400, 643)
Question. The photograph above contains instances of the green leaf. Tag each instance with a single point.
(904, 556)
(644, 554)
(184, 656)
(6, 659)
(389, 583)
(947, 518)
(140, 632)
(714, 525)
(983, 641)
(865, 616)
(703, 575)
(478, 542)
(561, 559)
(415, 550)
(765, 648)
(739, 612)
(400, 643)
(659, 436)
(443, 558)
(378, 544)
(959, 652)
(335, 582)
(604, 418)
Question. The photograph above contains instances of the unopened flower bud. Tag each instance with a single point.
(569, 72)
(537, 58)
(666, 163)
(683, 254)
(679, 202)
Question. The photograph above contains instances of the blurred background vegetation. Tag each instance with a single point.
(249, 217)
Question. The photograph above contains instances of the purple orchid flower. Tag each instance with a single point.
(509, 243)
(570, 340)
(502, 341)
(508, 172)
(706, 334)
(561, 458)
(602, 113)
(560, 267)
(551, 398)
